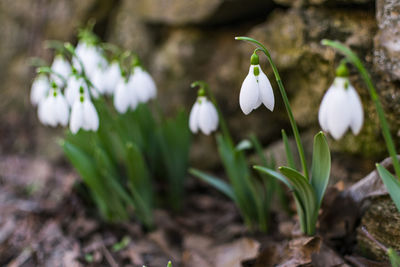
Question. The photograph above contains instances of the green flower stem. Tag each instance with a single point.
(351, 57)
(223, 124)
(285, 100)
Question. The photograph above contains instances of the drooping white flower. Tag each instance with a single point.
(91, 57)
(40, 88)
(72, 91)
(62, 67)
(203, 116)
(125, 96)
(143, 84)
(83, 115)
(106, 80)
(256, 89)
(54, 110)
(340, 109)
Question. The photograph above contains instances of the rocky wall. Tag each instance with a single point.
(181, 41)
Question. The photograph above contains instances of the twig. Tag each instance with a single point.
(373, 239)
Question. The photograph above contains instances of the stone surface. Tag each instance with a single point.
(382, 220)
(182, 12)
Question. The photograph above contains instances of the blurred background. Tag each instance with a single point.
(181, 41)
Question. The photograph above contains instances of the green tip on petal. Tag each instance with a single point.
(342, 70)
(53, 85)
(81, 98)
(54, 93)
(254, 60)
(256, 71)
(81, 91)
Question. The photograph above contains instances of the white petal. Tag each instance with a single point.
(60, 66)
(76, 117)
(62, 109)
(206, 117)
(91, 118)
(112, 78)
(39, 90)
(143, 85)
(51, 111)
(42, 112)
(213, 115)
(194, 117)
(98, 81)
(338, 113)
(121, 97)
(323, 109)
(72, 90)
(266, 92)
(357, 113)
(249, 93)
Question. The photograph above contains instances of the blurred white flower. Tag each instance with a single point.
(340, 109)
(106, 80)
(62, 67)
(40, 88)
(125, 96)
(91, 57)
(72, 91)
(256, 89)
(83, 115)
(143, 84)
(203, 116)
(54, 110)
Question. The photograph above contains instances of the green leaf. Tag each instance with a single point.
(215, 182)
(393, 257)
(274, 174)
(288, 150)
(306, 195)
(321, 166)
(392, 184)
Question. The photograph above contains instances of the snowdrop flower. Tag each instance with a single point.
(91, 57)
(61, 67)
(40, 88)
(83, 115)
(72, 91)
(105, 80)
(256, 89)
(203, 116)
(144, 86)
(125, 96)
(54, 110)
(340, 109)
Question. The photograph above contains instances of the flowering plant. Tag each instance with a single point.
(391, 182)
(251, 193)
(118, 153)
(308, 190)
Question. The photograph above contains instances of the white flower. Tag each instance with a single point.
(54, 110)
(340, 109)
(72, 91)
(203, 116)
(105, 80)
(40, 88)
(125, 96)
(256, 89)
(143, 85)
(61, 67)
(83, 115)
(91, 57)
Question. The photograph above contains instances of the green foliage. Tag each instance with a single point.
(393, 257)
(122, 160)
(251, 194)
(392, 184)
(308, 195)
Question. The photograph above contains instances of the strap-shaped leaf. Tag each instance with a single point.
(274, 174)
(321, 166)
(306, 195)
(288, 150)
(215, 182)
(243, 145)
(392, 184)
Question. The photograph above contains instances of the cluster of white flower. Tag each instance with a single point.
(341, 107)
(89, 76)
